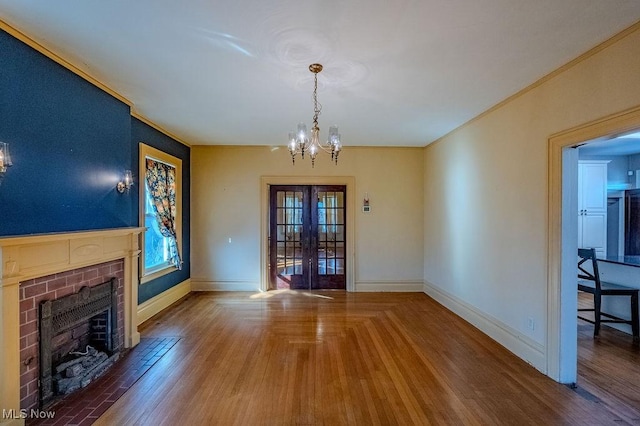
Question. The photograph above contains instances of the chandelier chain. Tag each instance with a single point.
(316, 109)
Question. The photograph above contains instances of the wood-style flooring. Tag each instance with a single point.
(334, 358)
(609, 367)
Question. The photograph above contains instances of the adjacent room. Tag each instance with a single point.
(279, 212)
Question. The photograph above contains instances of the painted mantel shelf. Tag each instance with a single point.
(27, 257)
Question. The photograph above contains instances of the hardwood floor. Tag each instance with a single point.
(609, 366)
(282, 358)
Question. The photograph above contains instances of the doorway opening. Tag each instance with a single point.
(562, 349)
(349, 182)
(307, 237)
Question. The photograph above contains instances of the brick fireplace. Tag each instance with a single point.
(56, 287)
(46, 267)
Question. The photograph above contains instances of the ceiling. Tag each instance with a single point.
(623, 145)
(396, 73)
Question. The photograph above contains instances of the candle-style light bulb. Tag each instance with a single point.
(5, 157)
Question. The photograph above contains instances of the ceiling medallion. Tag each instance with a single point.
(301, 142)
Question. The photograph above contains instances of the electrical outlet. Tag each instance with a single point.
(531, 324)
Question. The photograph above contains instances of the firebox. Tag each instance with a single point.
(85, 322)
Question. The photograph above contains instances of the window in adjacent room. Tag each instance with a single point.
(160, 212)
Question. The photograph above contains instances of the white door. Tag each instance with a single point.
(594, 231)
(593, 186)
(592, 206)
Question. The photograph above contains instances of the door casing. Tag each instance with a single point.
(348, 181)
(561, 342)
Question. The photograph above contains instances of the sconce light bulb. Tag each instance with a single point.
(126, 183)
(5, 157)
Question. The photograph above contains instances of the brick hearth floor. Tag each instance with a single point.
(84, 407)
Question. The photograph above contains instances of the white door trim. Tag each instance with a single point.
(561, 358)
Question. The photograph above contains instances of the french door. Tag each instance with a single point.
(307, 237)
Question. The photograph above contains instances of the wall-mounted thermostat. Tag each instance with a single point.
(366, 208)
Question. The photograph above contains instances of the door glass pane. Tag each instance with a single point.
(330, 250)
(331, 233)
(321, 199)
(290, 265)
(289, 232)
(322, 266)
(322, 233)
(331, 267)
(288, 199)
(322, 249)
(280, 258)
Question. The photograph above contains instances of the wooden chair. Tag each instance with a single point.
(589, 282)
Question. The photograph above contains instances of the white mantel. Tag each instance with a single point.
(27, 257)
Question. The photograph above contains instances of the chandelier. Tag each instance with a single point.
(304, 143)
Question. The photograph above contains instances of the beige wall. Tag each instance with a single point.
(226, 197)
(486, 199)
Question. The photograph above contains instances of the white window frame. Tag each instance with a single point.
(147, 151)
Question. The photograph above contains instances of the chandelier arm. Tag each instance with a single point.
(325, 148)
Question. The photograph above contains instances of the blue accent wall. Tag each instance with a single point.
(142, 133)
(71, 143)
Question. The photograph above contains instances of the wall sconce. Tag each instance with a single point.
(126, 183)
(5, 159)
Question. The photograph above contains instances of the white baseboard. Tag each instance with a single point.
(390, 286)
(163, 300)
(362, 286)
(198, 285)
(519, 344)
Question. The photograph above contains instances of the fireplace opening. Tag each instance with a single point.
(79, 339)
